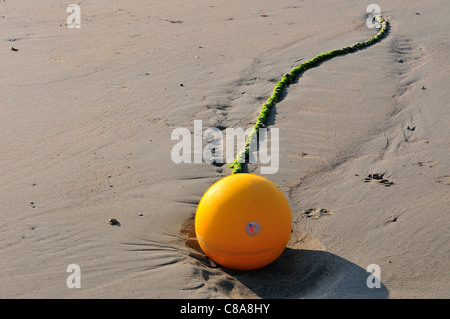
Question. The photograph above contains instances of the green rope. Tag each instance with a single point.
(287, 79)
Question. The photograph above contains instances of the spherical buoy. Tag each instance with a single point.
(243, 222)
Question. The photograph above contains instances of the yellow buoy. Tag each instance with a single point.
(243, 222)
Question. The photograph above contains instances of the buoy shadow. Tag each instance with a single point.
(303, 273)
(297, 273)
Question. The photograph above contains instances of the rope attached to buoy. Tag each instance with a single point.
(287, 79)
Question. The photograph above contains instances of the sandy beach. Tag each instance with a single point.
(85, 136)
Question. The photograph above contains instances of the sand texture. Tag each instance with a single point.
(86, 121)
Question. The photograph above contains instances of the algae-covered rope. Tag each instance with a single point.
(287, 79)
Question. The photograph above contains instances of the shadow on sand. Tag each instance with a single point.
(301, 273)
(297, 273)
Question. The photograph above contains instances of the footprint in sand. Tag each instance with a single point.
(59, 58)
(426, 164)
(315, 213)
(444, 180)
(409, 128)
(120, 87)
(378, 178)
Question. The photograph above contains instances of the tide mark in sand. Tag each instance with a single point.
(316, 213)
(378, 178)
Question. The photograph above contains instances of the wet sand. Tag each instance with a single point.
(87, 117)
